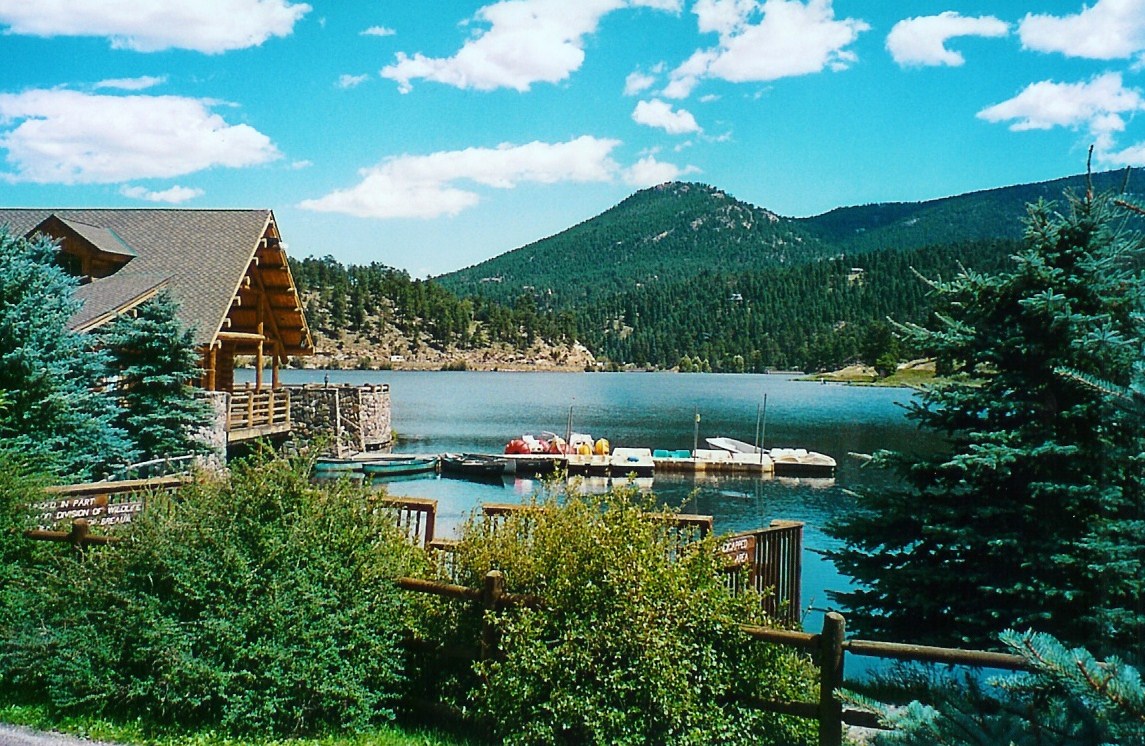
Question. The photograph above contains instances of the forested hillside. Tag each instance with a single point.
(385, 312)
(993, 213)
(663, 234)
(813, 316)
(685, 275)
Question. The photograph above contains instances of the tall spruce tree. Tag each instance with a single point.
(156, 361)
(58, 416)
(1018, 520)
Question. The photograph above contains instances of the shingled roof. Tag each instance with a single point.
(201, 256)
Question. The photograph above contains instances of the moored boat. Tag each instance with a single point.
(799, 462)
(392, 467)
(333, 465)
(533, 465)
(472, 466)
(631, 461)
(787, 462)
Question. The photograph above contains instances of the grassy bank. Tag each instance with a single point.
(909, 376)
(137, 733)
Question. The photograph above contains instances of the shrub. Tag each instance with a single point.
(259, 603)
(637, 640)
(18, 588)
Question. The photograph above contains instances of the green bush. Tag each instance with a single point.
(637, 640)
(255, 604)
(18, 588)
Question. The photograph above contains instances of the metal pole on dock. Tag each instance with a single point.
(696, 435)
(762, 426)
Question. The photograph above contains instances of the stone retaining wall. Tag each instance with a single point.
(349, 418)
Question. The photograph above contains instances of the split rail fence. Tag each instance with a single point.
(772, 553)
(827, 649)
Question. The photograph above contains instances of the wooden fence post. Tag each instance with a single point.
(830, 679)
(81, 529)
(490, 600)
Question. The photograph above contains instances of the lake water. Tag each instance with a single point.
(436, 412)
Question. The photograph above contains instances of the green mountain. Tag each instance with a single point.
(661, 234)
(679, 230)
(988, 214)
(684, 275)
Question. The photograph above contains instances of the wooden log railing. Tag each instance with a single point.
(256, 414)
(416, 517)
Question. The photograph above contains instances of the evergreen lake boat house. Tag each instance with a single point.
(228, 272)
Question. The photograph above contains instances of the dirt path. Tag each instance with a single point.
(15, 735)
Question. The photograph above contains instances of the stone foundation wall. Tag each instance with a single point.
(215, 435)
(348, 418)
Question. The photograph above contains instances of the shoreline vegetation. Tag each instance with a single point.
(547, 359)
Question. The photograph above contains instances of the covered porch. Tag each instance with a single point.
(265, 326)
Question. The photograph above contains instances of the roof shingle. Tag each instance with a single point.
(203, 253)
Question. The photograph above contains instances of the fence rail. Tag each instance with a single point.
(256, 414)
(827, 648)
(773, 560)
(416, 517)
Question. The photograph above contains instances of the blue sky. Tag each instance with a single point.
(433, 135)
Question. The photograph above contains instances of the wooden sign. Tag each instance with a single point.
(97, 510)
(738, 550)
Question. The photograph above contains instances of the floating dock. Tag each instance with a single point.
(713, 461)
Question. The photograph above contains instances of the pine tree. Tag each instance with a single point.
(1067, 699)
(58, 416)
(1011, 524)
(156, 360)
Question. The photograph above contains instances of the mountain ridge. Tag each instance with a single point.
(673, 228)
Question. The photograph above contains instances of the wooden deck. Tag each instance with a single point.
(257, 414)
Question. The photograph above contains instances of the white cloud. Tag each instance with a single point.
(210, 26)
(1131, 156)
(723, 16)
(922, 41)
(66, 137)
(351, 81)
(638, 82)
(413, 186)
(527, 42)
(1099, 106)
(657, 113)
(1045, 105)
(1107, 30)
(649, 172)
(299, 165)
(175, 195)
(132, 84)
(789, 38)
(378, 31)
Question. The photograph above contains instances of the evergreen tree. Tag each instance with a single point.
(1004, 527)
(58, 415)
(157, 362)
(1067, 699)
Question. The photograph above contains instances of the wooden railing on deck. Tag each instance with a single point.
(254, 414)
(773, 559)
